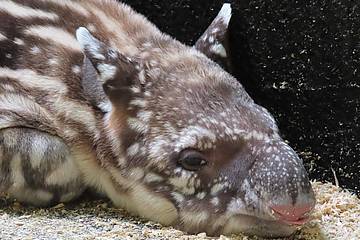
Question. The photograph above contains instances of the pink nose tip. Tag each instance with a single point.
(292, 214)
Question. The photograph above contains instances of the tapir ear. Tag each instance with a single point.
(214, 41)
(106, 73)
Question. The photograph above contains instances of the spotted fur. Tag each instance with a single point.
(92, 95)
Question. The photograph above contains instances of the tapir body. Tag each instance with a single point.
(92, 95)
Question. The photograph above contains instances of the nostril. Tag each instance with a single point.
(291, 212)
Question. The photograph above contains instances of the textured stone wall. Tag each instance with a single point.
(300, 59)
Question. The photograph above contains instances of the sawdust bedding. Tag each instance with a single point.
(337, 216)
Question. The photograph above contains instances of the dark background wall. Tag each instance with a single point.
(300, 59)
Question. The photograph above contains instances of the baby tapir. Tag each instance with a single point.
(92, 95)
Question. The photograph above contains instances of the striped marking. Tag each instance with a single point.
(16, 172)
(54, 34)
(18, 103)
(2, 37)
(31, 79)
(113, 26)
(21, 11)
(77, 112)
(27, 112)
(71, 5)
(109, 23)
(63, 174)
(39, 147)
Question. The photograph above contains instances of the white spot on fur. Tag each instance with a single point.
(211, 39)
(76, 69)
(219, 49)
(153, 177)
(215, 30)
(135, 89)
(217, 188)
(268, 150)
(91, 27)
(35, 50)
(107, 71)
(8, 55)
(63, 174)
(201, 195)
(19, 41)
(142, 76)
(53, 61)
(184, 183)
(31, 79)
(214, 201)
(55, 34)
(256, 135)
(139, 103)
(147, 94)
(137, 125)
(178, 197)
(20, 11)
(105, 106)
(133, 149)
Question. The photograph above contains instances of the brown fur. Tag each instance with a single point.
(157, 126)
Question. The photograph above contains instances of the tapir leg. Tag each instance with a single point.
(37, 168)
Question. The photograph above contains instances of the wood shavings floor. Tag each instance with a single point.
(337, 216)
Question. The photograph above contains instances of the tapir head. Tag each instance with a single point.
(195, 151)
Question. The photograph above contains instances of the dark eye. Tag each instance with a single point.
(191, 160)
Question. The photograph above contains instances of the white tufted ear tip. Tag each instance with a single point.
(89, 43)
(225, 12)
(84, 37)
(81, 31)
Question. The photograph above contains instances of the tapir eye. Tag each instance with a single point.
(191, 160)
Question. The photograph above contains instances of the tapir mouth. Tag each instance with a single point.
(295, 222)
(292, 220)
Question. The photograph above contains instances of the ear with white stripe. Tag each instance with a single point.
(106, 73)
(214, 41)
